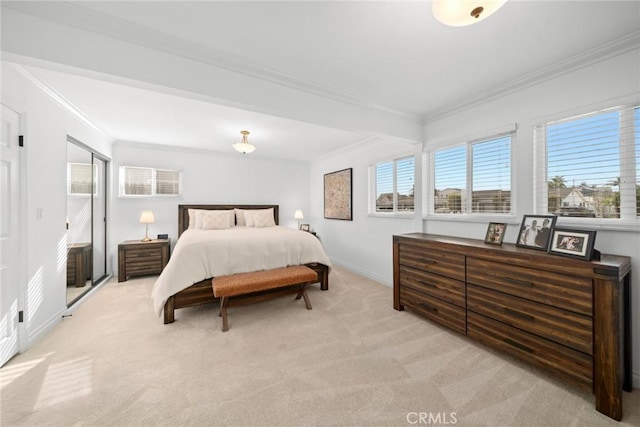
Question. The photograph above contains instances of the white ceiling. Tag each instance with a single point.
(390, 57)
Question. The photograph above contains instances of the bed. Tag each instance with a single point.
(200, 255)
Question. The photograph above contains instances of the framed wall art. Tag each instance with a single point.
(495, 233)
(535, 231)
(337, 195)
(574, 243)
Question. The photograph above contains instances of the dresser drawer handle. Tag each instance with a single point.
(431, 285)
(517, 345)
(518, 313)
(520, 282)
(429, 307)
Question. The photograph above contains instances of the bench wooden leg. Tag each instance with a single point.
(223, 312)
(303, 293)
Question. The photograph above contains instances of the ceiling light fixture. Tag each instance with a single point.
(243, 146)
(459, 13)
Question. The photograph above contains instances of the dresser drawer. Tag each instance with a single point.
(437, 310)
(435, 261)
(562, 326)
(570, 365)
(444, 288)
(565, 291)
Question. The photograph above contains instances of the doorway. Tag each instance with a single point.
(10, 229)
(87, 175)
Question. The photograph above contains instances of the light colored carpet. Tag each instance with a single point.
(352, 360)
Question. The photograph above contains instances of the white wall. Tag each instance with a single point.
(599, 85)
(208, 177)
(363, 245)
(46, 126)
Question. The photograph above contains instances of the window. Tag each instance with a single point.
(474, 178)
(590, 165)
(149, 182)
(394, 186)
(80, 181)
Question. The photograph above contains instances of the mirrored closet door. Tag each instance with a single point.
(86, 219)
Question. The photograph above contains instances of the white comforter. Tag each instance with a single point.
(202, 254)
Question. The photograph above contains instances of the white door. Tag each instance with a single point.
(9, 230)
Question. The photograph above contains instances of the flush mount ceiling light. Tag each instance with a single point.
(243, 146)
(459, 13)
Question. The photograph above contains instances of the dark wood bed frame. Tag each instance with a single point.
(202, 292)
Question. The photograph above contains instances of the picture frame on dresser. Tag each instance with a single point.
(495, 233)
(535, 231)
(573, 243)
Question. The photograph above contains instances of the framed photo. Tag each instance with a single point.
(535, 231)
(337, 195)
(574, 243)
(305, 227)
(495, 233)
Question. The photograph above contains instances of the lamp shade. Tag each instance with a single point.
(147, 217)
(459, 13)
(298, 214)
(243, 146)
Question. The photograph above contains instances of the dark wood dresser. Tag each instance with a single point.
(568, 316)
(137, 258)
(79, 264)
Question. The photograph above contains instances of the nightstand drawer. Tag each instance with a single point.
(134, 254)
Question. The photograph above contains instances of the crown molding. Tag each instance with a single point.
(42, 85)
(603, 52)
(78, 16)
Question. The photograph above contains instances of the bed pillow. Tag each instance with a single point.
(216, 220)
(248, 215)
(196, 217)
(263, 218)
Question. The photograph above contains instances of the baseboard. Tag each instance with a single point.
(365, 273)
(44, 329)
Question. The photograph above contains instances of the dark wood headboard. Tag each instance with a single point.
(183, 212)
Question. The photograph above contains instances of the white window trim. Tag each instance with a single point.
(121, 193)
(372, 213)
(627, 157)
(429, 159)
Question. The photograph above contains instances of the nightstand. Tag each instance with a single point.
(137, 258)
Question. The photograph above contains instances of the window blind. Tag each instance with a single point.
(148, 182)
(167, 182)
(590, 165)
(491, 181)
(393, 186)
(450, 179)
(384, 187)
(405, 185)
(80, 178)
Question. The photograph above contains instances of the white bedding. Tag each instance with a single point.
(202, 254)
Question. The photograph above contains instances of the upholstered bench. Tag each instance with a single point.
(257, 284)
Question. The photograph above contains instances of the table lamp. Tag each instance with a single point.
(147, 218)
(298, 215)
